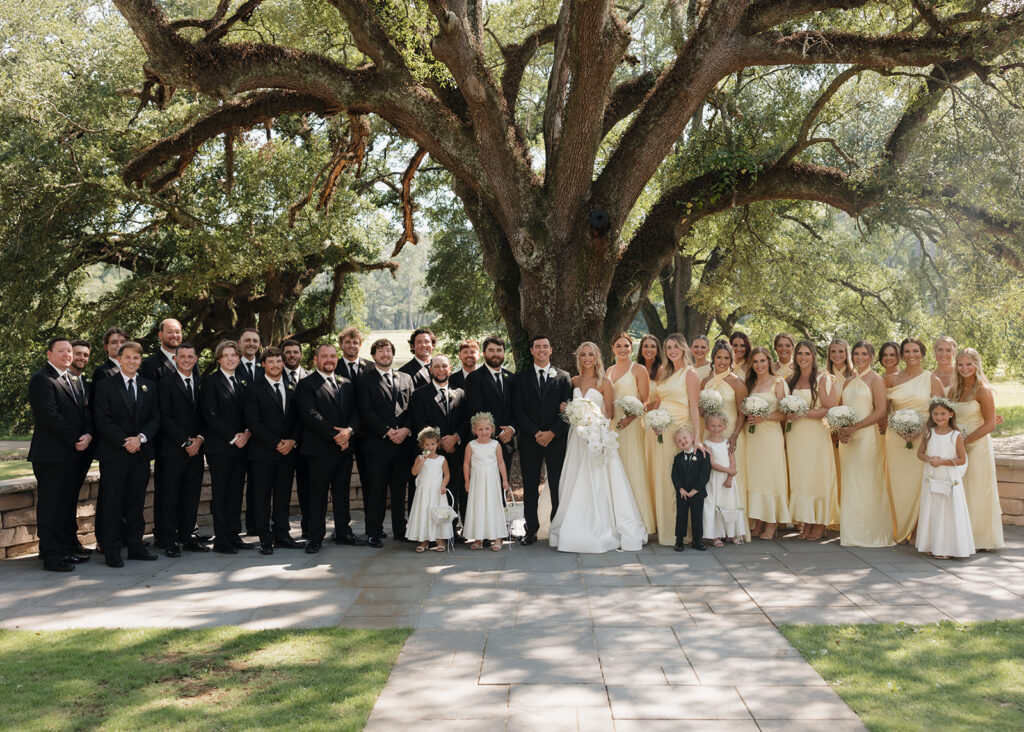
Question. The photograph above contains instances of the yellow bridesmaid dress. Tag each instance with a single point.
(865, 514)
(703, 371)
(905, 470)
(675, 401)
(632, 450)
(812, 467)
(740, 369)
(838, 383)
(732, 412)
(980, 480)
(784, 370)
(765, 459)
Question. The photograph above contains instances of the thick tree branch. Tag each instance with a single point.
(408, 227)
(802, 141)
(517, 57)
(625, 99)
(765, 14)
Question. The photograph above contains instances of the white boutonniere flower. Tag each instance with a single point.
(145, 388)
(290, 387)
(551, 373)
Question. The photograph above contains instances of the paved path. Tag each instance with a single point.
(531, 639)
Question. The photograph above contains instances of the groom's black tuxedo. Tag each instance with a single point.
(483, 395)
(536, 409)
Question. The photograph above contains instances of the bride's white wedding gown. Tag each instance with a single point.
(596, 509)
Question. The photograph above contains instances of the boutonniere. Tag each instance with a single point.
(243, 382)
(551, 373)
(145, 388)
(290, 387)
(74, 378)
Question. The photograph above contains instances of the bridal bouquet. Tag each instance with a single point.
(906, 423)
(793, 406)
(658, 420)
(755, 406)
(592, 426)
(581, 413)
(709, 401)
(630, 406)
(839, 417)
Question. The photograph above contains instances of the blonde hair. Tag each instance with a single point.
(685, 428)
(481, 417)
(716, 415)
(598, 366)
(670, 367)
(428, 433)
(957, 392)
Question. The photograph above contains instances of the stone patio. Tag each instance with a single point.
(530, 639)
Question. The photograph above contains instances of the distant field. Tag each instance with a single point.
(401, 340)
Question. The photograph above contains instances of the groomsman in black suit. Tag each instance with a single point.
(469, 355)
(537, 394)
(226, 438)
(62, 432)
(293, 373)
(383, 395)
(113, 339)
(127, 418)
(489, 389)
(273, 419)
(350, 365)
(422, 342)
(80, 352)
(445, 408)
(250, 370)
(327, 406)
(179, 457)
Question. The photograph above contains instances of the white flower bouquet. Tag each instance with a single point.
(906, 423)
(793, 405)
(592, 426)
(840, 417)
(755, 406)
(658, 420)
(581, 413)
(710, 402)
(630, 406)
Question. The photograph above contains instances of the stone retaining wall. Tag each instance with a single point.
(1010, 473)
(18, 512)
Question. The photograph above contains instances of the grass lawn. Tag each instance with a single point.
(215, 679)
(933, 677)
(15, 469)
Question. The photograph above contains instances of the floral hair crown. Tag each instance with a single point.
(941, 402)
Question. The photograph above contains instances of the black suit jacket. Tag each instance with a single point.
(241, 373)
(536, 410)
(342, 370)
(156, 366)
(377, 412)
(321, 412)
(426, 411)
(268, 423)
(59, 419)
(104, 370)
(222, 412)
(416, 371)
(457, 380)
(482, 396)
(117, 420)
(180, 418)
(691, 472)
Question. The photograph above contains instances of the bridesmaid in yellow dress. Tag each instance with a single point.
(911, 388)
(733, 392)
(813, 493)
(784, 345)
(652, 358)
(976, 413)
(765, 451)
(699, 348)
(631, 379)
(944, 349)
(840, 368)
(676, 392)
(865, 514)
(741, 347)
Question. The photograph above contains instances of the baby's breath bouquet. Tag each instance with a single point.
(840, 417)
(907, 423)
(658, 420)
(793, 405)
(755, 406)
(710, 402)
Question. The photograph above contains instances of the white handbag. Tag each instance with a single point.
(940, 487)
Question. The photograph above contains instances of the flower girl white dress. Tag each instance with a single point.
(944, 525)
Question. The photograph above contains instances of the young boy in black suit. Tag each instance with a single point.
(691, 470)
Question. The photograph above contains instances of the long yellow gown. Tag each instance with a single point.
(812, 467)
(732, 412)
(980, 481)
(905, 470)
(703, 371)
(675, 401)
(765, 458)
(865, 514)
(632, 451)
(838, 382)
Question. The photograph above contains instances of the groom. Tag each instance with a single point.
(537, 393)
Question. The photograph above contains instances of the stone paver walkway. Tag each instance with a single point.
(531, 639)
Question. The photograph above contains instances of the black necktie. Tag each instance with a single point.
(353, 371)
(292, 378)
(444, 401)
(249, 371)
(188, 390)
(131, 391)
(540, 377)
(74, 394)
(279, 395)
(234, 384)
(497, 381)
(394, 391)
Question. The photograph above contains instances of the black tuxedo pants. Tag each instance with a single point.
(456, 480)
(388, 475)
(692, 508)
(531, 457)
(272, 497)
(123, 488)
(227, 475)
(302, 491)
(181, 483)
(159, 491)
(57, 489)
(250, 499)
(329, 475)
(82, 466)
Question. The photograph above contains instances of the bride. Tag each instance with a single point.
(596, 510)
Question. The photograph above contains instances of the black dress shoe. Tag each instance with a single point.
(313, 547)
(699, 546)
(58, 565)
(225, 548)
(375, 542)
(115, 561)
(350, 539)
(173, 550)
(530, 538)
(266, 548)
(143, 555)
(76, 558)
(679, 546)
(191, 545)
(289, 543)
(202, 538)
(239, 544)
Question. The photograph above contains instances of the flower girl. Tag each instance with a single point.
(484, 470)
(431, 471)
(723, 510)
(943, 525)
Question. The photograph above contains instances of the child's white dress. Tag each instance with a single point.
(485, 510)
(421, 525)
(944, 525)
(724, 516)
